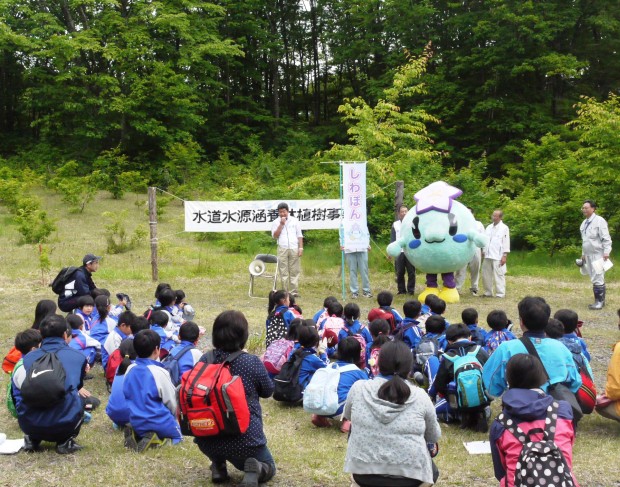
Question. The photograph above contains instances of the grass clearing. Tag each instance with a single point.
(214, 279)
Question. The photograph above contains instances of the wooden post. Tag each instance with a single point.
(398, 197)
(153, 228)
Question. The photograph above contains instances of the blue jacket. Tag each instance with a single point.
(101, 329)
(151, 398)
(413, 335)
(572, 337)
(287, 315)
(118, 408)
(81, 343)
(88, 319)
(347, 379)
(478, 335)
(46, 423)
(310, 364)
(166, 342)
(556, 358)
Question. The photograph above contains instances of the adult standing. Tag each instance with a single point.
(357, 260)
(401, 264)
(287, 231)
(494, 257)
(596, 245)
(473, 266)
(80, 285)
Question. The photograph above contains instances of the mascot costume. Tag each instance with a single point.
(438, 236)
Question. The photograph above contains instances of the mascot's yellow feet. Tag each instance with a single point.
(426, 292)
(450, 296)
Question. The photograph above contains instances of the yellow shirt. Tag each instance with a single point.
(612, 388)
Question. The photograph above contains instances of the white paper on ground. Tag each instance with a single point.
(478, 447)
(8, 447)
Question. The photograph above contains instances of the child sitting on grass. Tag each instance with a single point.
(85, 307)
(498, 322)
(25, 341)
(118, 334)
(308, 338)
(118, 408)
(409, 331)
(380, 331)
(82, 342)
(470, 318)
(527, 407)
(151, 397)
(570, 320)
(348, 354)
(354, 328)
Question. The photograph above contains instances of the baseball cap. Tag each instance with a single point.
(88, 258)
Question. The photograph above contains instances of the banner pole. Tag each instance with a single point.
(344, 294)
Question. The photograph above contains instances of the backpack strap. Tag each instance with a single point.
(531, 349)
(80, 342)
(548, 431)
(183, 351)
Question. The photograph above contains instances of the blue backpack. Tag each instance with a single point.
(171, 364)
(469, 386)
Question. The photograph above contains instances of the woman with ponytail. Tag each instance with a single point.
(117, 408)
(394, 429)
(105, 324)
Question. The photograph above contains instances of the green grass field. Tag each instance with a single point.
(216, 279)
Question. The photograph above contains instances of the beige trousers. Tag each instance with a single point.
(289, 267)
(493, 273)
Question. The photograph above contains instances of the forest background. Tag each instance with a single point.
(512, 101)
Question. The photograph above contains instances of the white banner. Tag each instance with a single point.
(257, 216)
(355, 227)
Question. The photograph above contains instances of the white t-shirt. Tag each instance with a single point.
(290, 234)
(499, 241)
(397, 226)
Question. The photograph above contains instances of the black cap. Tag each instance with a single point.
(88, 258)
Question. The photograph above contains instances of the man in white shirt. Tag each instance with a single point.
(473, 265)
(596, 245)
(402, 264)
(287, 231)
(494, 257)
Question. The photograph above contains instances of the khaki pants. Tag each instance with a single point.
(289, 267)
(493, 273)
(474, 270)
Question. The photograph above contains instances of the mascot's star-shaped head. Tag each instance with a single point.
(436, 196)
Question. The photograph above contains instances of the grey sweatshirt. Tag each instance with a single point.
(388, 438)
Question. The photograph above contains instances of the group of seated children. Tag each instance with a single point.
(448, 360)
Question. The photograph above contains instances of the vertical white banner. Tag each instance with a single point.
(355, 227)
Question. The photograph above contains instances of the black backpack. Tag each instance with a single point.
(540, 460)
(44, 386)
(64, 277)
(171, 364)
(287, 386)
(276, 328)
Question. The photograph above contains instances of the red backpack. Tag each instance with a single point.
(8, 364)
(212, 401)
(114, 361)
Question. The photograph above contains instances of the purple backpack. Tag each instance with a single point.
(277, 354)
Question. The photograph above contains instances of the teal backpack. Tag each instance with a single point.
(469, 386)
(9, 391)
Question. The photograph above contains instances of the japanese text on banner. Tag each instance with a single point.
(256, 216)
(355, 227)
